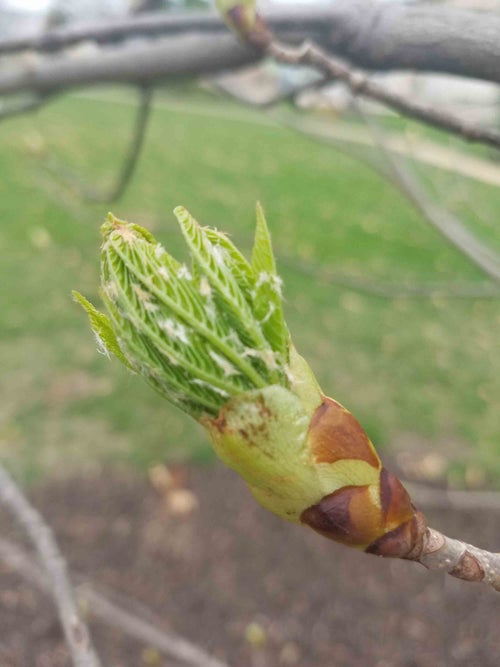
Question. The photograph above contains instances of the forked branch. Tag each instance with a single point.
(254, 31)
(54, 565)
(359, 83)
(109, 613)
(130, 159)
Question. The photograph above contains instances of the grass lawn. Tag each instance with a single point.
(404, 366)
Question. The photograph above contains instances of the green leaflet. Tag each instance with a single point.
(267, 297)
(101, 326)
(216, 263)
(156, 298)
(199, 335)
(240, 268)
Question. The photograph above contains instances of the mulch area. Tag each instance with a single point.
(244, 585)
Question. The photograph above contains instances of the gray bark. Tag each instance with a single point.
(144, 65)
(370, 35)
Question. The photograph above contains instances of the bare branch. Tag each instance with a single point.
(142, 64)
(111, 614)
(75, 630)
(373, 36)
(388, 37)
(453, 229)
(460, 559)
(360, 84)
(447, 224)
(129, 162)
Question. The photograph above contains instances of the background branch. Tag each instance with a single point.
(364, 33)
(141, 65)
(424, 38)
(398, 175)
(111, 614)
(448, 225)
(129, 163)
(359, 83)
(75, 630)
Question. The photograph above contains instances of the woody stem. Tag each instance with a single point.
(459, 559)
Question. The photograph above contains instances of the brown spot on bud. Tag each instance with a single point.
(468, 568)
(405, 541)
(335, 434)
(394, 499)
(218, 423)
(347, 515)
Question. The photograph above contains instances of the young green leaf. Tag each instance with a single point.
(101, 326)
(194, 333)
(267, 296)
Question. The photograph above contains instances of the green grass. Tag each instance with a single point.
(427, 367)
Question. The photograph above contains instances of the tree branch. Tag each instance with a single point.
(373, 36)
(460, 559)
(110, 613)
(360, 84)
(75, 630)
(448, 225)
(139, 65)
(130, 159)
(388, 37)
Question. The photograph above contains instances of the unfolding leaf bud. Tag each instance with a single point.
(212, 339)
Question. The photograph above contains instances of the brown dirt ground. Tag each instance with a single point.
(211, 573)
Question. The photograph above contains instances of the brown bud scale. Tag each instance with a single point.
(351, 515)
(335, 434)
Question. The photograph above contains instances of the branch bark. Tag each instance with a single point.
(111, 614)
(75, 630)
(140, 65)
(311, 55)
(460, 559)
(364, 33)
(373, 36)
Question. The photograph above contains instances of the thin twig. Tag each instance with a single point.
(111, 614)
(446, 223)
(129, 163)
(482, 256)
(221, 86)
(459, 559)
(359, 83)
(373, 35)
(75, 630)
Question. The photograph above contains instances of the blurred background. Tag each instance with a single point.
(386, 235)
